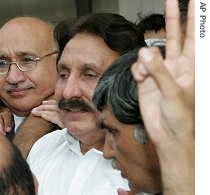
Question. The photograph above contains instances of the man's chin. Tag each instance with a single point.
(133, 188)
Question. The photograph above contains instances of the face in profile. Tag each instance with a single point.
(138, 162)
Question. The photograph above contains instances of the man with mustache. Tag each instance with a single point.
(70, 161)
(27, 75)
(150, 126)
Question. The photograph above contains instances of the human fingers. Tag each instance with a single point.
(49, 102)
(2, 129)
(139, 71)
(121, 191)
(189, 42)
(6, 121)
(43, 107)
(153, 62)
(52, 117)
(173, 29)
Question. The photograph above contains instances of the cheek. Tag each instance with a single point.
(2, 81)
(58, 91)
(129, 151)
(88, 92)
(60, 86)
(123, 149)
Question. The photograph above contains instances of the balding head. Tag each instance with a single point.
(23, 39)
(33, 28)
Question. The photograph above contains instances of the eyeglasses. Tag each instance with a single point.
(25, 64)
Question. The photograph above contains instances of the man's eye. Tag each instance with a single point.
(63, 76)
(3, 63)
(28, 60)
(91, 74)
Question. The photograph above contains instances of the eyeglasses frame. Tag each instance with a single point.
(35, 60)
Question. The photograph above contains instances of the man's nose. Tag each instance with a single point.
(15, 75)
(72, 88)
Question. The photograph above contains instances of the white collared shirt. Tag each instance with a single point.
(61, 168)
(155, 42)
(18, 121)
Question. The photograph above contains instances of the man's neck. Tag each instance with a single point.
(85, 148)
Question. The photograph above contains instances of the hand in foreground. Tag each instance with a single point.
(49, 111)
(166, 87)
(166, 90)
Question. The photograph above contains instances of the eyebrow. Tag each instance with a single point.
(83, 67)
(61, 66)
(22, 53)
(18, 54)
(102, 125)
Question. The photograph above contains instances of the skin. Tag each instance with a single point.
(79, 69)
(120, 144)
(49, 111)
(166, 89)
(160, 34)
(31, 87)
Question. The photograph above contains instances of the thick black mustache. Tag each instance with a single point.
(76, 103)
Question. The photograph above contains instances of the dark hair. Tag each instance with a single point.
(153, 21)
(117, 89)
(118, 33)
(62, 32)
(183, 7)
(16, 178)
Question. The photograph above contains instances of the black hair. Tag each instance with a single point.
(119, 34)
(117, 89)
(16, 177)
(183, 7)
(153, 21)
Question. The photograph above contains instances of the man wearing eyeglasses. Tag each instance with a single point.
(27, 67)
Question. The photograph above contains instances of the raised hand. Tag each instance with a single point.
(167, 100)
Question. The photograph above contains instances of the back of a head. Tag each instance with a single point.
(15, 175)
(118, 33)
(153, 21)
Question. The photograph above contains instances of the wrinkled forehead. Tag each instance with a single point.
(24, 35)
(86, 48)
